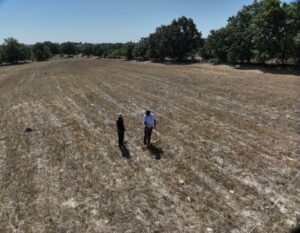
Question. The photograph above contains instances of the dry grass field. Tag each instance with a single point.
(228, 160)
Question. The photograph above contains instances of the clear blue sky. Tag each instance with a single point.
(106, 20)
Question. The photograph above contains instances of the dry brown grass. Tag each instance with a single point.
(229, 140)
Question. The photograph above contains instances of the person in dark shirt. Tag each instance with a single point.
(121, 129)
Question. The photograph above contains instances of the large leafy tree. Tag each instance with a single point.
(140, 50)
(11, 50)
(240, 35)
(270, 31)
(98, 50)
(217, 45)
(14, 51)
(68, 48)
(155, 50)
(41, 52)
(293, 29)
(54, 47)
(87, 50)
(179, 40)
(184, 38)
(129, 47)
(160, 43)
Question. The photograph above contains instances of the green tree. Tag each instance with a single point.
(141, 48)
(116, 53)
(24, 53)
(129, 47)
(41, 52)
(262, 31)
(15, 51)
(11, 50)
(87, 50)
(179, 40)
(240, 35)
(153, 49)
(111, 50)
(217, 45)
(292, 38)
(159, 44)
(68, 48)
(184, 37)
(270, 31)
(54, 47)
(98, 50)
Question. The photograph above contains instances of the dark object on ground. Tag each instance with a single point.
(156, 151)
(28, 130)
(125, 152)
(296, 229)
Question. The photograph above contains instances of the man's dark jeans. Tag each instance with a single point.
(147, 135)
(121, 137)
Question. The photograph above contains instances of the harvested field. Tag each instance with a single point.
(228, 160)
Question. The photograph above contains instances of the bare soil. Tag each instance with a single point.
(228, 159)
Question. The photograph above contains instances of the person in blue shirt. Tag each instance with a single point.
(150, 123)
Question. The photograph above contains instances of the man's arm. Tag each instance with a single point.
(154, 120)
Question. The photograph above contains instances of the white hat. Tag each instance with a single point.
(120, 114)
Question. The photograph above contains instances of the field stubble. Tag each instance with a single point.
(228, 160)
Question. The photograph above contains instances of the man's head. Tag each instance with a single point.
(147, 112)
(120, 115)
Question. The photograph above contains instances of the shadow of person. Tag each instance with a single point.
(156, 151)
(125, 152)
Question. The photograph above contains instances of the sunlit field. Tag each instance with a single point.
(227, 160)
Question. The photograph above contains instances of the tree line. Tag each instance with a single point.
(12, 52)
(267, 30)
(177, 41)
(260, 32)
